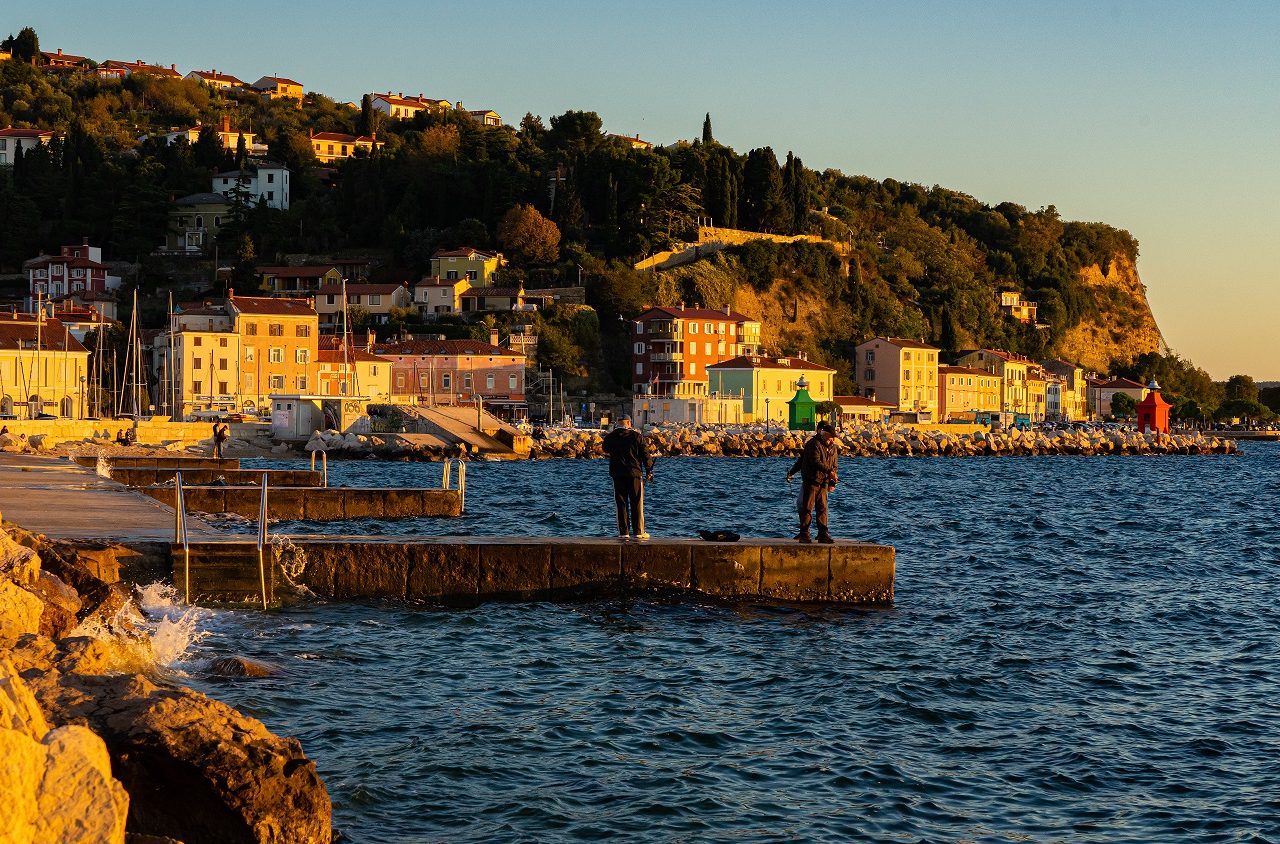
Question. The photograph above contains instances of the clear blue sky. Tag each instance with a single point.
(1162, 118)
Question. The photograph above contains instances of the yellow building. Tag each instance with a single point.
(473, 265)
(766, 384)
(332, 146)
(278, 344)
(357, 373)
(1037, 386)
(902, 372)
(207, 370)
(43, 369)
(965, 391)
(1012, 369)
(438, 296)
(279, 88)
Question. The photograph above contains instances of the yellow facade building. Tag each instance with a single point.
(278, 346)
(473, 265)
(279, 88)
(900, 371)
(43, 369)
(1013, 370)
(334, 146)
(964, 392)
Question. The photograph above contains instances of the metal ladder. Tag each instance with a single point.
(462, 479)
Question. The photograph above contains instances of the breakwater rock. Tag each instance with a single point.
(888, 441)
(97, 746)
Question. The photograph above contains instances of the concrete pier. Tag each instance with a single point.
(319, 504)
(90, 461)
(141, 477)
(471, 570)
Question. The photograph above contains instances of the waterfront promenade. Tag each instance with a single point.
(63, 500)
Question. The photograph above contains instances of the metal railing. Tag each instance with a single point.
(180, 532)
(445, 482)
(262, 540)
(324, 464)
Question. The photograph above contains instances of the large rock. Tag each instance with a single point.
(20, 611)
(196, 770)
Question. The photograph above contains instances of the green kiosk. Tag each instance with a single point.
(802, 410)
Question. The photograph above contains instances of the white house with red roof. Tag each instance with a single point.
(403, 107)
(671, 348)
(113, 69)
(74, 269)
(12, 140)
(1100, 392)
(333, 146)
(216, 80)
(230, 138)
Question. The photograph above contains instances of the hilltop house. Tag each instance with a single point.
(403, 108)
(217, 81)
(375, 300)
(74, 269)
(14, 140)
(278, 88)
(263, 181)
(331, 146)
(194, 223)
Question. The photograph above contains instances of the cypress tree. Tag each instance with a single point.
(706, 129)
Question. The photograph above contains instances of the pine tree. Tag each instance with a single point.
(707, 137)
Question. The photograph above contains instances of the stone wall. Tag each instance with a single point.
(157, 430)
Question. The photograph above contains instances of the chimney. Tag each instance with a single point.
(727, 311)
(493, 336)
(173, 67)
(226, 123)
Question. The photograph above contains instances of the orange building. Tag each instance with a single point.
(672, 347)
(278, 345)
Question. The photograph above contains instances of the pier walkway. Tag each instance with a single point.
(63, 500)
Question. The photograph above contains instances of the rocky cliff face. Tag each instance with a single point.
(1124, 327)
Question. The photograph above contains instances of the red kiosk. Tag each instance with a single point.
(1153, 411)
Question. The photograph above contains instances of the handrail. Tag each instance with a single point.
(262, 540)
(447, 475)
(180, 532)
(324, 464)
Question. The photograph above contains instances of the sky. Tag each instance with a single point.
(1161, 118)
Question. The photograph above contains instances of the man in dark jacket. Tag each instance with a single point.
(817, 468)
(630, 465)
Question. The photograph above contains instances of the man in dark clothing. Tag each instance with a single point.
(630, 465)
(817, 468)
(221, 433)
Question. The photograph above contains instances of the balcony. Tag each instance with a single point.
(666, 357)
(666, 334)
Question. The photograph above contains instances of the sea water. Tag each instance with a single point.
(1080, 649)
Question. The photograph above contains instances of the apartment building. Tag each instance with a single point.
(899, 371)
(672, 347)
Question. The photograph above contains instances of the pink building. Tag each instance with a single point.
(456, 372)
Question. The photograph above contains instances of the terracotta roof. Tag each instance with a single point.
(762, 362)
(903, 343)
(345, 139)
(494, 291)
(139, 66)
(442, 347)
(62, 261)
(214, 76)
(1012, 357)
(964, 370)
(63, 57)
(1119, 384)
(279, 80)
(310, 271)
(694, 314)
(358, 289)
(267, 305)
(25, 133)
(16, 333)
(353, 355)
(89, 296)
(465, 252)
(203, 199)
(863, 401)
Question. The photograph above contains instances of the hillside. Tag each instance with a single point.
(871, 256)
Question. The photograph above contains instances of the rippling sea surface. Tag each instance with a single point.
(1081, 649)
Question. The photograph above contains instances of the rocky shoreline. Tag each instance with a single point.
(99, 747)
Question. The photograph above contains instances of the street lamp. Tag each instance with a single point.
(766, 416)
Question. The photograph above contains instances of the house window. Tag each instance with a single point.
(446, 380)
(399, 382)
(329, 298)
(906, 375)
(248, 353)
(197, 387)
(472, 275)
(639, 347)
(706, 349)
(301, 356)
(451, 275)
(375, 299)
(466, 380)
(275, 329)
(511, 382)
(639, 327)
(302, 331)
(271, 177)
(488, 381)
(906, 356)
(277, 382)
(693, 328)
(302, 383)
(424, 379)
(222, 388)
(197, 363)
(271, 195)
(251, 328)
(693, 369)
(222, 342)
(275, 355)
(222, 364)
(639, 368)
(196, 341)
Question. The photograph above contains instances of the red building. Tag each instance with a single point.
(75, 269)
(1153, 411)
(672, 348)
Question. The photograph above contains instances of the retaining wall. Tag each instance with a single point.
(322, 504)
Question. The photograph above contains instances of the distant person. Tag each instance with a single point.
(4, 430)
(121, 439)
(817, 467)
(630, 465)
(221, 433)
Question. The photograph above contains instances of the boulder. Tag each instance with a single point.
(239, 666)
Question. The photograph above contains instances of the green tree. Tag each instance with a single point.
(1240, 388)
(26, 47)
(761, 192)
(707, 137)
(527, 237)
(1123, 406)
